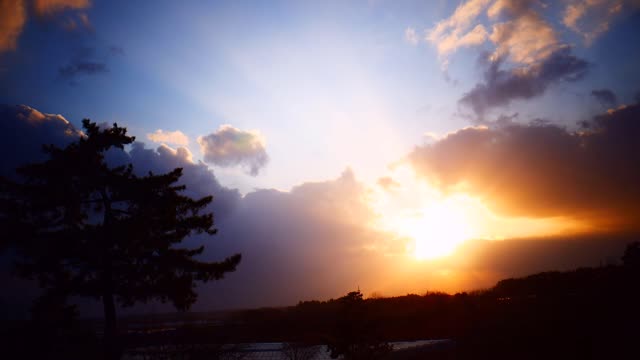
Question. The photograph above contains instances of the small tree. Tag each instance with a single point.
(355, 335)
(83, 228)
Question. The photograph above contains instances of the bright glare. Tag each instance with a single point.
(437, 230)
(435, 223)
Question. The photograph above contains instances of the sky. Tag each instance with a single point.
(395, 146)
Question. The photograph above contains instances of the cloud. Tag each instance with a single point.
(388, 183)
(605, 97)
(410, 36)
(527, 55)
(524, 37)
(24, 130)
(543, 170)
(592, 18)
(71, 71)
(313, 242)
(79, 22)
(500, 87)
(458, 31)
(198, 178)
(229, 147)
(12, 18)
(310, 242)
(170, 137)
(84, 62)
(51, 7)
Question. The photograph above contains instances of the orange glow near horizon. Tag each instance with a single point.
(436, 223)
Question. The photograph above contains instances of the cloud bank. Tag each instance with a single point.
(310, 242)
(544, 170)
(313, 242)
(229, 146)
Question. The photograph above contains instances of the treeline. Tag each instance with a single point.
(587, 313)
(580, 314)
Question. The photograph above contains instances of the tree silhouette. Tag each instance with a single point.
(83, 228)
(631, 257)
(355, 335)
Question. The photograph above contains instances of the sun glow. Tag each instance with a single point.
(437, 229)
(431, 224)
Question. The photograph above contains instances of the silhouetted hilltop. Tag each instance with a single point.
(587, 313)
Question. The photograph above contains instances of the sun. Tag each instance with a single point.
(438, 229)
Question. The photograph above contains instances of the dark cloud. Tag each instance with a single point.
(87, 61)
(543, 170)
(311, 242)
(229, 147)
(116, 50)
(197, 177)
(70, 71)
(25, 130)
(500, 87)
(605, 97)
(481, 263)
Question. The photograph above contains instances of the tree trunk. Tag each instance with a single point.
(112, 351)
(112, 348)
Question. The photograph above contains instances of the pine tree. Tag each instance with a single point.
(83, 228)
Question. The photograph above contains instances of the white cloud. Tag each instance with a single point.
(411, 36)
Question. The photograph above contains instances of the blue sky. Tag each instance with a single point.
(294, 71)
(336, 82)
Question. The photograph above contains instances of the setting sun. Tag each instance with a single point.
(437, 230)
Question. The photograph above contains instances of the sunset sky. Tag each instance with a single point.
(398, 146)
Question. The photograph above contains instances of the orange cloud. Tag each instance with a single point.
(171, 137)
(50, 7)
(458, 31)
(525, 38)
(14, 15)
(591, 18)
(12, 18)
(543, 170)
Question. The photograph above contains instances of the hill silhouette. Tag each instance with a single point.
(586, 313)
